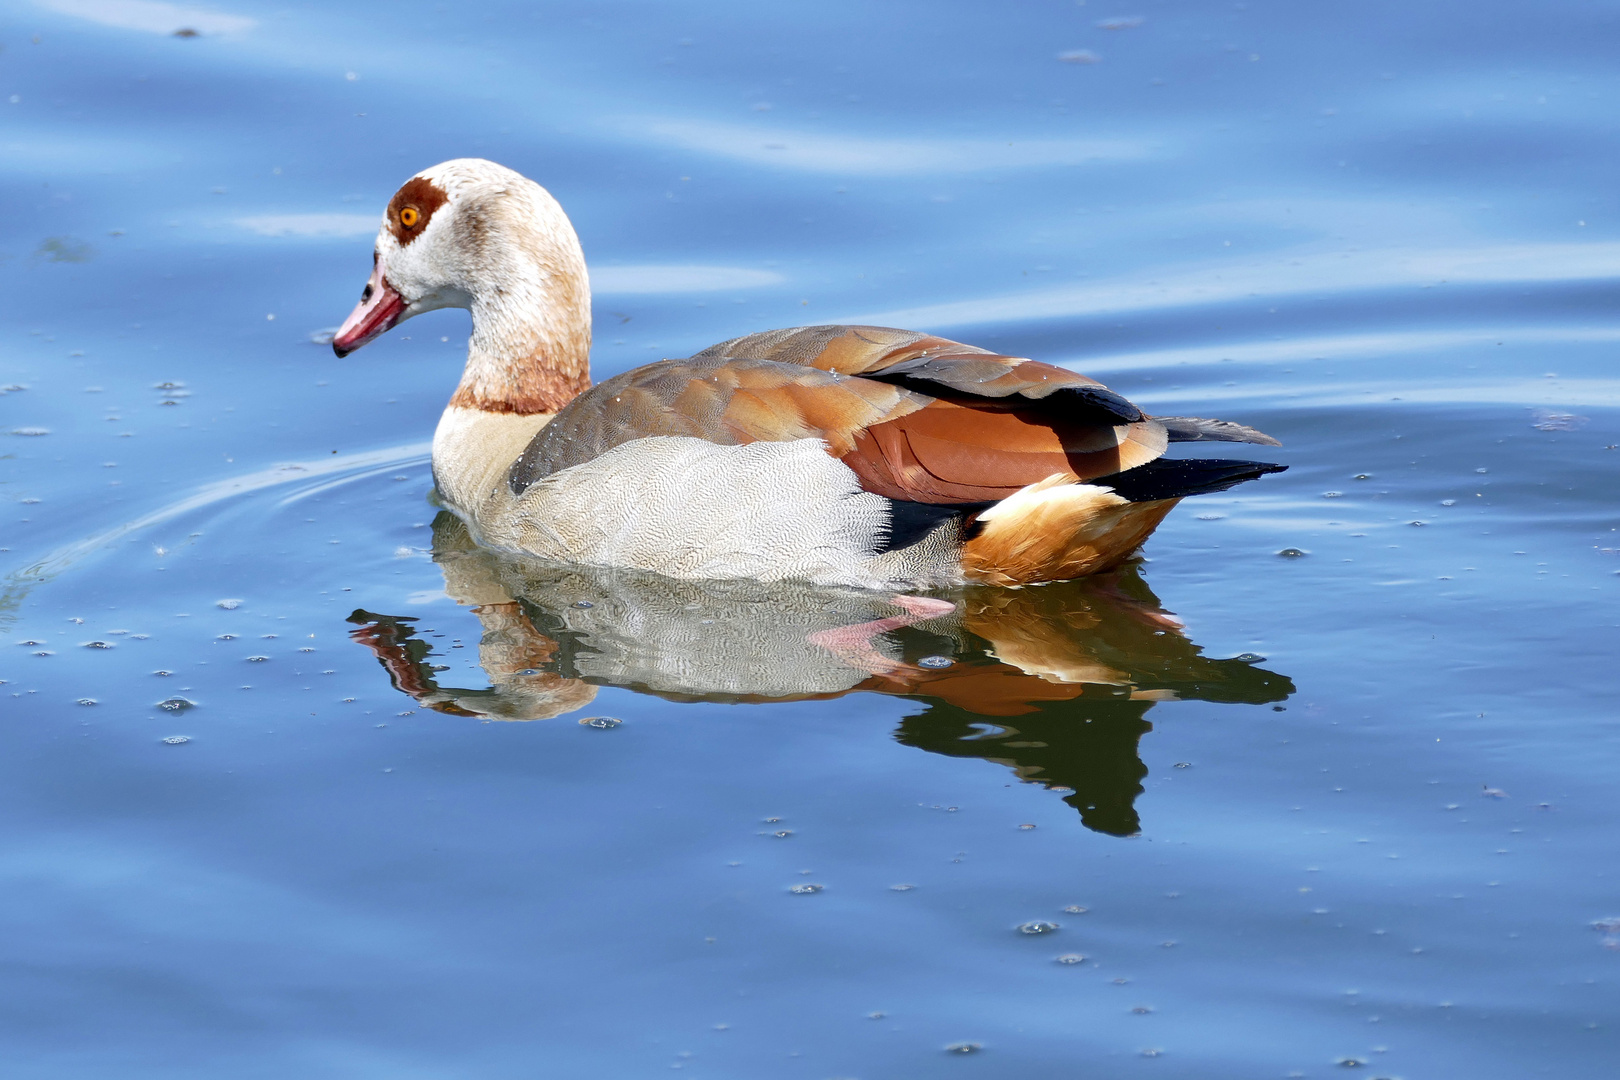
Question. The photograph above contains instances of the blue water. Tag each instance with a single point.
(1360, 808)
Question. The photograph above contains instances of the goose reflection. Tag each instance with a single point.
(1053, 681)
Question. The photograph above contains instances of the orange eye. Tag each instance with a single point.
(408, 217)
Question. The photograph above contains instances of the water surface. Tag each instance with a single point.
(1352, 805)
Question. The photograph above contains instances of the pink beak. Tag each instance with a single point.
(379, 309)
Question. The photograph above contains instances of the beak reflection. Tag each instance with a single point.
(1054, 682)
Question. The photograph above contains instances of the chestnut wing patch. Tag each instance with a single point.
(952, 453)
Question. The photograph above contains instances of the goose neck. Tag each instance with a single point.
(531, 340)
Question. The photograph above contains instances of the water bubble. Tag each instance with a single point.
(601, 723)
(163, 674)
(1448, 502)
(964, 1048)
(1079, 56)
(1075, 909)
(176, 705)
(257, 659)
(935, 662)
(583, 604)
(228, 605)
(1249, 657)
(1349, 1063)
(98, 644)
(804, 890)
(901, 888)
(226, 637)
(1183, 764)
(1141, 1010)
(1152, 1051)
(1026, 826)
(1332, 494)
(1291, 553)
(176, 740)
(782, 834)
(87, 701)
(1071, 958)
(1037, 927)
(876, 1015)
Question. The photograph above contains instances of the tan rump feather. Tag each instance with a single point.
(1056, 529)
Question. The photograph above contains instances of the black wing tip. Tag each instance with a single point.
(1179, 478)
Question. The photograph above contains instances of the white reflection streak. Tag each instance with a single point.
(220, 490)
(1286, 274)
(678, 279)
(152, 16)
(1300, 350)
(876, 156)
(1583, 393)
(311, 224)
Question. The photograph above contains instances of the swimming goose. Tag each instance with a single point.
(838, 455)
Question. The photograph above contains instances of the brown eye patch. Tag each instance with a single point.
(412, 207)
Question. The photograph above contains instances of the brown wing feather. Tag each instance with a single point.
(723, 401)
(874, 350)
(956, 424)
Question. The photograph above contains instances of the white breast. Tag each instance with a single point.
(472, 451)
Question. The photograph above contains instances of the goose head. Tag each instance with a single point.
(472, 234)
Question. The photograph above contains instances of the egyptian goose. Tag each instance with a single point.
(838, 455)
